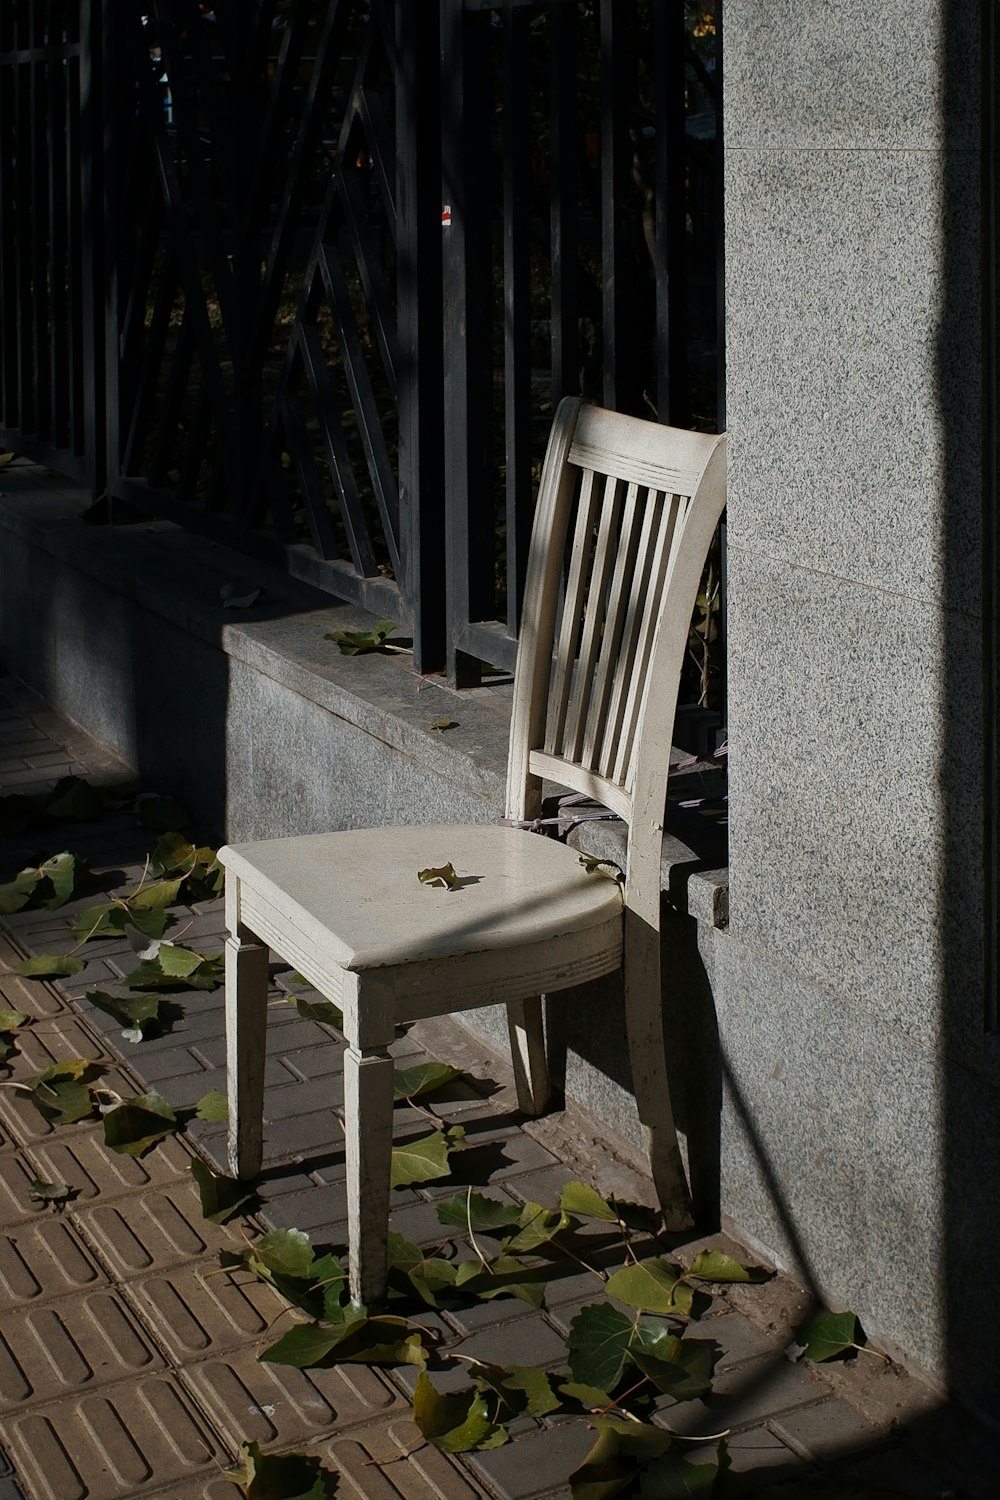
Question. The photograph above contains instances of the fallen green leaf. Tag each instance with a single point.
(56, 1193)
(61, 1093)
(359, 642)
(651, 1286)
(681, 1368)
(134, 1126)
(621, 1452)
(161, 814)
(525, 1390)
(444, 723)
(598, 1341)
(11, 1020)
(48, 966)
(422, 1079)
(829, 1336)
(282, 1476)
(137, 1012)
(478, 1212)
(213, 1107)
(577, 1198)
(420, 1160)
(715, 1265)
(536, 1226)
(317, 1010)
(456, 1423)
(74, 798)
(220, 1196)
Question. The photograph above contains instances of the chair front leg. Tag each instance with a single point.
(368, 1100)
(246, 1041)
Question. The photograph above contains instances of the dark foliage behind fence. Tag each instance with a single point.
(311, 275)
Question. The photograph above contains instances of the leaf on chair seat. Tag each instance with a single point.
(443, 875)
(420, 1160)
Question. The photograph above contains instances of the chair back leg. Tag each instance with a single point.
(527, 1047)
(647, 1054)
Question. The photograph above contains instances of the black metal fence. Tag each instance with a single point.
(311, 275)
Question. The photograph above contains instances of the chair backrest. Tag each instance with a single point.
(625, 516)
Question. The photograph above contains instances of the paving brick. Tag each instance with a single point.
(749, 1395)
(318, 1060)
(321, 1212)
(149, 1231)
(63, 1347)
(759, 1449)
(290, 1100)
(539, 1463)
(44, 1259)
(84, 1162)
(740, 1339)
(831, 1430)
(108, 1444)
(391, 1461)
(275, 1404)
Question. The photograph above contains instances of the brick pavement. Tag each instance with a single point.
(128, 1363)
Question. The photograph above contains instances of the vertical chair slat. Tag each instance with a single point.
(614, 623)
(626, 666)
(573, 613)
(667, 530)
(590, 643)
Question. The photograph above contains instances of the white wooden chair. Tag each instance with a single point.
(625, 515)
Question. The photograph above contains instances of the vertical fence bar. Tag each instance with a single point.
(672, 391)
(563, 212)
(91, 384)
(516, 95)
(990, 188)
(419, 334)
(621, 375)
(466, 172)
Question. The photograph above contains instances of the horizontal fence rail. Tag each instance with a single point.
(311, 277)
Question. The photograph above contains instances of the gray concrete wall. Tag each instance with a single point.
(861, 1107)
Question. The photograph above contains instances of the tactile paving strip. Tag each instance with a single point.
(64, 1347)
(85, 1163)
(196, 1311)
(44, 1259)
(151, 1231)
(279, 1405)
(408, 1468)
(109, 1444)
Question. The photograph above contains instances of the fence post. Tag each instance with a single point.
(418, 270)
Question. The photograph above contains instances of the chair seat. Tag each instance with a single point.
(356, 894)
